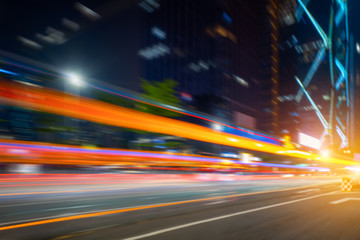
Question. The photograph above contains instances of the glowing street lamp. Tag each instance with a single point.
(325, 153)
(75, 79)
(217, 126)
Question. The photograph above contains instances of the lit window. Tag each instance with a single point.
(157, 32)
(241, 81)
(326, 97)
(227, 18)
(154, 51)
(203, 65)
(153, 3)
(194, 67)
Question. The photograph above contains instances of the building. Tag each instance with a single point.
(226, 51)
(278, 68)
(210, 48)
(289, 119)
(356, 94)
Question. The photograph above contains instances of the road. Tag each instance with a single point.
(287, 208)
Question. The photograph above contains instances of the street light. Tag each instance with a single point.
(217, 126)
(325, 153)
(75, 79)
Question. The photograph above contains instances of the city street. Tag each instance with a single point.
(300, 208)
(173, 119)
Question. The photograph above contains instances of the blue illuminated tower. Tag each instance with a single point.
(335, 52)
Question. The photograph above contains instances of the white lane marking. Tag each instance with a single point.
(344, 200)
(217, 202)
(309, 190)
(219, 218)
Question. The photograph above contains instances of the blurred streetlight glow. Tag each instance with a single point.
(217, 127)
(325, 153)
(233, 140)
(75, 79)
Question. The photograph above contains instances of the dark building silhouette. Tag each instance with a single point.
(212, 49)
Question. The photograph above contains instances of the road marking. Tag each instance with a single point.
(34, 222)
(344, 200)
(219, 218)
(217, 202)
(310, 190)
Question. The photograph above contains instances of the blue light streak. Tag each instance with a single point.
(339, 82)
(341, 67)
(318, 113)
(8, 72)
(339, 17)
(316, 25)
(318, 59)
(338, 120)
(300, 11)
(341, 134)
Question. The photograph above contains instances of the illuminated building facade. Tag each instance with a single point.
(277, 67)
(273, 9)
(325, 88)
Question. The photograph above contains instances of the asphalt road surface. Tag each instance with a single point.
(288, 208)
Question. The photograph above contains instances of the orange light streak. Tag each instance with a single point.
(60, 103)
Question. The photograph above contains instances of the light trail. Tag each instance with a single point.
(92, 110)
(184, 112)
(37, 153)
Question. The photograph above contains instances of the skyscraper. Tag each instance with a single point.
(211, 48)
